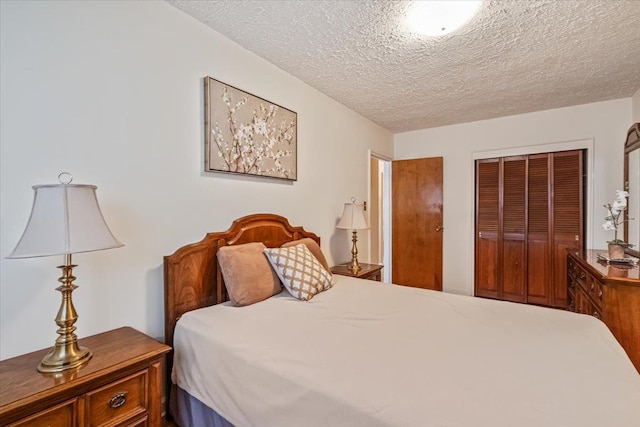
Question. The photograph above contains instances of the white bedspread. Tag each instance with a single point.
(369, 354)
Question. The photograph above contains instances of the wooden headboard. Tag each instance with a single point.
(192, 278)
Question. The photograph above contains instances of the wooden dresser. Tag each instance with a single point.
(120, 386)
(609, 292)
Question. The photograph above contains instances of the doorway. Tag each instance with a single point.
(380, 213)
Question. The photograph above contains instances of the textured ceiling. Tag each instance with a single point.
(513, 57)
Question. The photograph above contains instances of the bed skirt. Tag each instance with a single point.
(188, 411)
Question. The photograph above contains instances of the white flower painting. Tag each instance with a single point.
(248, 135)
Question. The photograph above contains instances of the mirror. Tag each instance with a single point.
(632, 185)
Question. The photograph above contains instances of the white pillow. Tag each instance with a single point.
(300, 272)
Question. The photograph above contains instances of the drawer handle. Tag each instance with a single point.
(592, 286)
(582, 275)
(599, 293)
(596, 314)
(118, 400)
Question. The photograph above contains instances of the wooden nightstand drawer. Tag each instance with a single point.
(61, 415)
(118, 402)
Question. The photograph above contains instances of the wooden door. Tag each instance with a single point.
(514, 221)
(567, 218)
(416, 220)
(487, 274)
(538, 243)
(501, 226)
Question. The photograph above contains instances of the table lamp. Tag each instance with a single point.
(353, 219)
(65, 219)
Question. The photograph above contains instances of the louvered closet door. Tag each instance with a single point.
(529, 211)
(567, 218)
(538, 243)
(487, 227)
(514, 202)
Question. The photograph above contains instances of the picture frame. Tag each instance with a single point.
(249, 135)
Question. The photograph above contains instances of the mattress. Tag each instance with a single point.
(370, 354)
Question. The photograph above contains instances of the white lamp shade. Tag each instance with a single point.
(65, 219)
(353, 217)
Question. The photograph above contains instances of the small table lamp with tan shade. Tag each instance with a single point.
(65, 219)
(353, 219)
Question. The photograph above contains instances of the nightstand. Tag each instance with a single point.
(120, 385)
(368, 271)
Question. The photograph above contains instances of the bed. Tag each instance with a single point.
(369, 354)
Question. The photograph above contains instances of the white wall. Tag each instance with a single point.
(603, 125)
(112, 92)
(636, 106)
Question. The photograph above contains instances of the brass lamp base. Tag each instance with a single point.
(354, 266)
(66, 354)
(65, 357)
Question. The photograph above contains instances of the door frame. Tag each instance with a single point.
(386, 211)
(552, 147)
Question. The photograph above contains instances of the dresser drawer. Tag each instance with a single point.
(575, 270)
(571, 267)
(142, 422)
(60, 415)
(118, 402)
(581, 274)
(584, 305)
(596, 290)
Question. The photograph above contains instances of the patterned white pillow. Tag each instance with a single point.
(300, 272)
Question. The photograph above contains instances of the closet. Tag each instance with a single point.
(529, 211)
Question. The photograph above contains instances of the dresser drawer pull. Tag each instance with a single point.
(118, 400)
(596, 314)
(592, 286)
(600, 293)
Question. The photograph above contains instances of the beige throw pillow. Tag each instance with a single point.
(313, 247)
(247, 274)
(300, 272)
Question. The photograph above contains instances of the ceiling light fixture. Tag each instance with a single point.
(440, 17)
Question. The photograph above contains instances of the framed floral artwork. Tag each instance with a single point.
(246, 134)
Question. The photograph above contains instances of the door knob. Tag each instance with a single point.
(439, 228)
